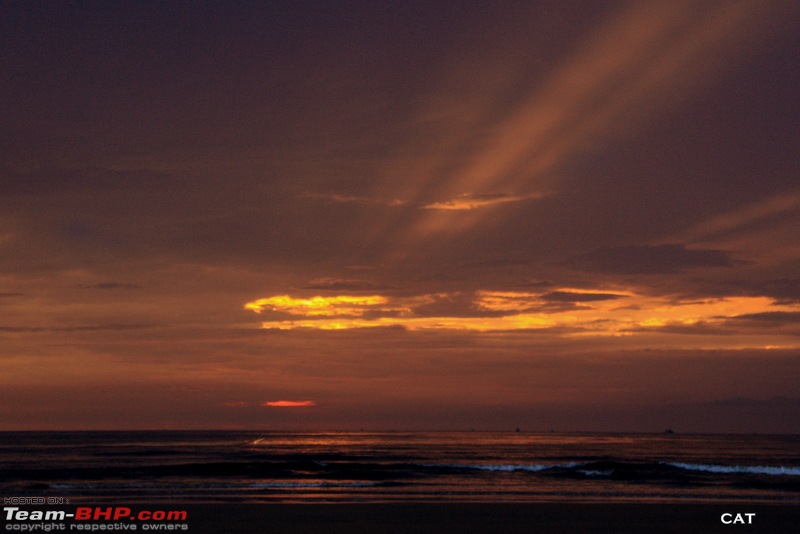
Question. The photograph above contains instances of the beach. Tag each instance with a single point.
(390, 518)
(418, 482)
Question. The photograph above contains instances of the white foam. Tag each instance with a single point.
(746, 469)
(508, 467)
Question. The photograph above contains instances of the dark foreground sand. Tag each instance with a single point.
(488, 518)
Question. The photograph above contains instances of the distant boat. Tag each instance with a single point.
(669, 431)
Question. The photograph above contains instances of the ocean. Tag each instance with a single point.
(366, 467)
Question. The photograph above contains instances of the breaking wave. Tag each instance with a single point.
(739, 469)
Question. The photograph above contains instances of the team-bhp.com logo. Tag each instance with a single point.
(89, 518)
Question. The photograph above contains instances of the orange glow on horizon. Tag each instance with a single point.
(288, 404)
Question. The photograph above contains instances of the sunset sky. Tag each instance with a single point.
(400, 215)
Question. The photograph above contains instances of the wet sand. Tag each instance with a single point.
(490, 518)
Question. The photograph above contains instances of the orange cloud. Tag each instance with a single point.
(567, 311)
(471, 202)
(317, 306)
(288, 404)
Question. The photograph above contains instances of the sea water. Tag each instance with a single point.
(334, 467)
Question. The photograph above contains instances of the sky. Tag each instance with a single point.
(555, 215)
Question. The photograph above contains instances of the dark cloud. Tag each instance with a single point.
(456, 305)
(696, 329)
(345, 284)
(110, 285)
(776, 317)
(570, 296)
(651, 259)
(784, 290)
